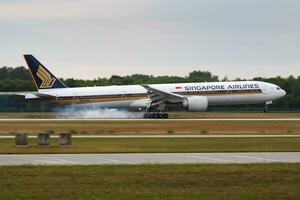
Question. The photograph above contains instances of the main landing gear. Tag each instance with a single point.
(156, 115)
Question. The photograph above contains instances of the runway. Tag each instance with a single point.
(150, 158)
(163, 136)
(161, 120)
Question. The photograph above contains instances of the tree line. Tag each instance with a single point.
(18, 79)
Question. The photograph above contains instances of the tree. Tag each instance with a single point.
(19, 73)
(200, 76)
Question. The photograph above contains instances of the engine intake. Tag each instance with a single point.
(195, 104)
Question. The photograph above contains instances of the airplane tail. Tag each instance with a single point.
(42, 78)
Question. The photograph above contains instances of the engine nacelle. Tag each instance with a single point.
(195, 104)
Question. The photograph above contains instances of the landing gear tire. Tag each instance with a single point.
(156, 116)
(166, 115)
(266, 109)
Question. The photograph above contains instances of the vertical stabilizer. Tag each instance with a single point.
(41, 76)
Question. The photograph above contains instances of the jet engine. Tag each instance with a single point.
(195, 104)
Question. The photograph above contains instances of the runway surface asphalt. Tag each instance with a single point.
(150, 158)
(214, 119)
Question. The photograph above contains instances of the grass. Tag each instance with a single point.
(26, 115)
(209, 115)
(252, 181)
(121, 127)
(158, 145)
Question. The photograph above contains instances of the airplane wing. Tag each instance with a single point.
(158, 96)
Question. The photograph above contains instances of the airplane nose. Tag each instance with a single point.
(283, 93)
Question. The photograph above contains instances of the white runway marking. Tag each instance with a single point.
(211, 159)
(67, 161)
(120, 161)
(257, 158)
(163, 136)
(49, 162)
(150, 158)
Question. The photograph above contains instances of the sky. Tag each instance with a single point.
(99, 38)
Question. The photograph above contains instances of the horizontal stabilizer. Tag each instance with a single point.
(15, 93)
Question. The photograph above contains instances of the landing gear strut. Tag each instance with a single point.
(156, 115)
(267, 109)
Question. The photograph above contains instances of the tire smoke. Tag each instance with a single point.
(94, 112)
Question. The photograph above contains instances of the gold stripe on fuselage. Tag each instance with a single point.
(108, 98)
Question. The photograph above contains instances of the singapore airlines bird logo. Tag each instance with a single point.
(47, 80)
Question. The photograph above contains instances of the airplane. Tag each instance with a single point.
(156, 100)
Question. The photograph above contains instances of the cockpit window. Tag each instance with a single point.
(278, 88)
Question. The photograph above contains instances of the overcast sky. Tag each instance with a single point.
(99, 38)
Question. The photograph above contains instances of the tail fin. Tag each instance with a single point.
(42, 77)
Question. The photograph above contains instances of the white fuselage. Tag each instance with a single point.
(135, 96)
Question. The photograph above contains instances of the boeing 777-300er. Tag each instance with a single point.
(154, 99)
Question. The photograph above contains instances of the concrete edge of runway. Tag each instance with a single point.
(161, 120)
(163, 136)
(150, 158)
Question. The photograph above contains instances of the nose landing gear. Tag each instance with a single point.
(156, 115)
(267, 109)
